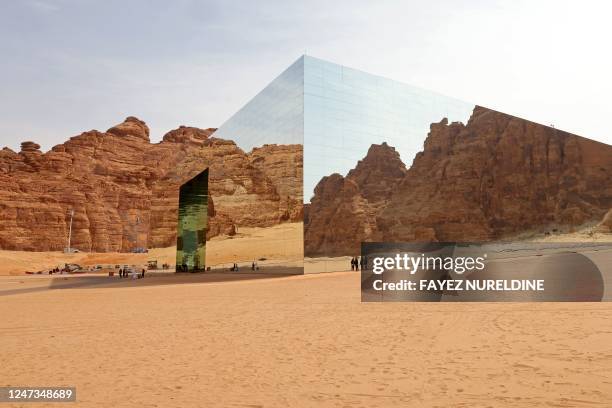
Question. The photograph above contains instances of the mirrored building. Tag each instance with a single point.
(382, 161)
(337, 113)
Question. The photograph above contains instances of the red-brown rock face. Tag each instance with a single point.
(343, 210)
(495, 177)
(284, 165)
(498, 176)
(124, 190)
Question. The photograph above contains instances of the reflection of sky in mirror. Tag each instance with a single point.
(346, 111)
(274, 115)
(338, 113)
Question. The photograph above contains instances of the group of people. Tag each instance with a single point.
(235, 268)
(359, 263)
(124, 273)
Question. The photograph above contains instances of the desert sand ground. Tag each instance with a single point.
(244, 340)
(299, 341)
(586, 233)
(584, 236)
(279, 244)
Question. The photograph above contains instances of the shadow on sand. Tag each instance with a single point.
(152, 279)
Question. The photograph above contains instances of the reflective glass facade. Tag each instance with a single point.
(274, 115)
(192, 224)
(338, 115)
(346, 111)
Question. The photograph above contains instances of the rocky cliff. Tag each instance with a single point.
(495, 177)
(124, 189)
(343, 210)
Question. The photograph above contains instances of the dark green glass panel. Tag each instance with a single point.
(192, 224)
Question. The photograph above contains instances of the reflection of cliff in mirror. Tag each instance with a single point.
(269, 231)
(192, 224)
(388, 162)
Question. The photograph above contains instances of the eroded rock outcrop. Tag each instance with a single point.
(124, 190)
(188, 134)
(498, 176)
(284, 165)
(343, 211)
(495, 177)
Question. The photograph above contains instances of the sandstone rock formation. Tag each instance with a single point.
(343, 211)
(495, 177)
(30, 147)
(124, 190)
(498, 176)
(284, 165)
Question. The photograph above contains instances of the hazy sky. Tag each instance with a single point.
(70, 66)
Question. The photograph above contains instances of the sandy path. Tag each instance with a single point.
(300, 341)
